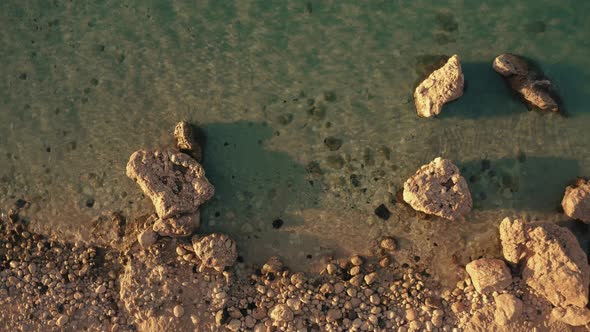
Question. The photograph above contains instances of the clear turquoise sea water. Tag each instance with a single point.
(84, 84)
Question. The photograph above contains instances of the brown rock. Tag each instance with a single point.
(553, 263)
(508, 309)
(272, 265)
(528, 82)
(187, 140)
(147, 238)
(215, 250)
(174, 182)
(281, 313)
(572, 315)
(442, 86)
(437, 188)
(576, 201)
(489, 275)
(181, 226)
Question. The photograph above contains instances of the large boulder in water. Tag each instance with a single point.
(174, 182)
(437, 188)
(551, 260)
(576, 201)
(529, 82)
(440, 87)
(177, 186)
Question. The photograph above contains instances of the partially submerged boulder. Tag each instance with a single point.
(440, 87)
(508, 309)
(529, 82)
(187, 140)
(174, 182)
(551, 260)
(576, 201)
(215, 251)
(439, 189)
(489, 275)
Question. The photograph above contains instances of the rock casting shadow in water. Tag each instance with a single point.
(521, 183)
(259, 186)
(582, 232)
(487, 95)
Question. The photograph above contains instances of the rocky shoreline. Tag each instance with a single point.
(52, 285)
(161, 276)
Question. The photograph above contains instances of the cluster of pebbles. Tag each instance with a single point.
(349, 295)
(50, 285)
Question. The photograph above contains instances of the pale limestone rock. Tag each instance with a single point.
(147, 238)
(510, 64)
(440, 87)
(281, 313)
(272, 265)
(576, 201)
(572, 315)
(489, 275)
(215, 250)
(508, 309)
(181, 226)
(187, 140)
(437, 188)
(551, 259)
(174, 182)
(524, 79)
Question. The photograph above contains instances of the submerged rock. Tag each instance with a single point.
(508, 309)
(530, 83)
(489, 275)
(174, 182)
(215, 250)
(187, 140)
(551, 260)
(576, 201)
(437, 188)
(440, 87)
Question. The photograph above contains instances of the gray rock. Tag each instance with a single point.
(439, 189)
(442, 86)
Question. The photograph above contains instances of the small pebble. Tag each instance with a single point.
(178, 311)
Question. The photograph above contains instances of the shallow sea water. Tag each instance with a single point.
(86, 84)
